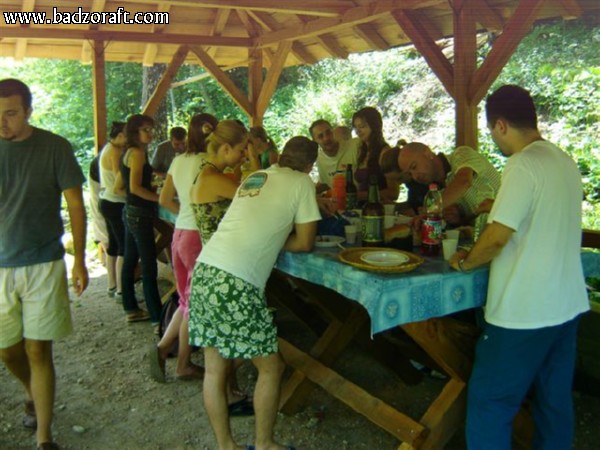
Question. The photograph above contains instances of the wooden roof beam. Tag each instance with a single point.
(322, 8)
(99, 93)
(267, 22)
(486, 15)
(368, 33)
(203, 76)
(270, 83)
(86, 47)
(329, 43)
(417, 33)
(218, 27)
(221, 77)
(571, 9)
(21, 44)
(151, 50)
(124, 36)
(352, 17)
(165, 82)
(515, 30)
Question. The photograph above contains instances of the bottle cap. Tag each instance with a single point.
(433, 187)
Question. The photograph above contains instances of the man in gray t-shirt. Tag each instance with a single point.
(166, 151)
(37, 167)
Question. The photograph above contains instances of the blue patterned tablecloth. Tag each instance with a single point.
(432, 290)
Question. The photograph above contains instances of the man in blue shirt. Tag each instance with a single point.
(37, 167)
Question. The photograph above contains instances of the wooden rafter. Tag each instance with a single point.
(515, 30)
(323, 8)
(124, 36)
(164, 84)
(487, 16)
(99, 93)
(202, 76)
(427, 47)
(352, 17)
(86, 47)
(268, 23)
(221, 77)
(571, 9)
(329, 43)
(368, 33)
(272, 77)
(218, 27)
(151, 50)
(255, 81)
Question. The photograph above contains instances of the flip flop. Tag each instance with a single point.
(157, 364)
(241, 408)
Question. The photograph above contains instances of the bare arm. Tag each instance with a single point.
(303, 237)
(137, 159)
(74, 198)
(454, 191)
(167, 196)
(491, 242)
(211, 187)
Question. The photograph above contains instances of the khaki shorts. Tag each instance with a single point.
(34, 303)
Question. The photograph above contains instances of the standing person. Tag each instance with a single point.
(229, 315)
(185, 248)
(264, 147)
(167, 150)
(36, 167)
(139, 214)
(536, 290)
(369, 127)
(111, 206)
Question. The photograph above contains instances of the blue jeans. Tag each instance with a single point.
(139, 244)
(508, 363)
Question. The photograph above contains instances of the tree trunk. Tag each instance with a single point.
(150, 78)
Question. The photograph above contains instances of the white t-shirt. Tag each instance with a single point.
(258, 222)
(329, 165)
(537, 279)
(184, 169)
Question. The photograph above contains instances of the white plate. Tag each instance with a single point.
(384, 258)
(328, 241)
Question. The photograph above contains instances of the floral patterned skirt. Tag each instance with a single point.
(230, 314)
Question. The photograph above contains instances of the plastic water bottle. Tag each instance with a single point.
(431, 229)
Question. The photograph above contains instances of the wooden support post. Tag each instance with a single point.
(99, 92)
(255, 82)
(465, 63)
(165, 82)
(273, 74)
(224, 81)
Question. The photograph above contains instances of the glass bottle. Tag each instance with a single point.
(372, 217)
(431, 229)
(351, 191)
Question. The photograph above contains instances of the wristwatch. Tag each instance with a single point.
(460, 265)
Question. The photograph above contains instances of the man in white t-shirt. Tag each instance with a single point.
(536, 290)
(273, 209)
(334, 155)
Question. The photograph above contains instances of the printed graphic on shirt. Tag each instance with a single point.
(253, 184)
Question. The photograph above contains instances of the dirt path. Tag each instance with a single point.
(106, 399)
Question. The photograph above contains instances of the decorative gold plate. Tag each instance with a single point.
(354, 257)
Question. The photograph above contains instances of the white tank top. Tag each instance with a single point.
(107, 182)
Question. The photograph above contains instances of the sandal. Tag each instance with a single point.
(138, 316)
(29, 419)
(241, 408)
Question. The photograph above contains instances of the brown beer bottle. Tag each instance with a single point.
(372, 217)
(351, 191)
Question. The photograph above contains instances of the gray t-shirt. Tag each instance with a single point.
(33, 175)
(163, 157)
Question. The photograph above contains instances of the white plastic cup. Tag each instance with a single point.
(453, 234)
(389, 209)
(389, 221)
(449, 247)
(351, 232)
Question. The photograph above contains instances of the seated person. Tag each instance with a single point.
(167, 150)
(466, 177)
(342, 133)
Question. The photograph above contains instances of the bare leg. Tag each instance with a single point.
(111, 262)
(16, 361)
(184, 365)
(39, 354)
(215, 397)
(171, 333)
(118, 270)
(266, 399)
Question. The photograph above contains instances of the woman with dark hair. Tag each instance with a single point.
(140, 212)
(111, 205)
(185, 248)
(264, 147)
(369, 127)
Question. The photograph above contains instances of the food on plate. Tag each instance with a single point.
(399, 231)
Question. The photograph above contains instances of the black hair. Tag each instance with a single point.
(115, 129)
(316, 123)
(178, 133)
(376, 142)
(512, 103)
(12, 86)
(133, 126)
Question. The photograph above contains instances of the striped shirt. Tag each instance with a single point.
(486, 179)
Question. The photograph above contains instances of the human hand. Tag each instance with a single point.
(485, 206)
(79, 278)
(454, 259)
(327, 206)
